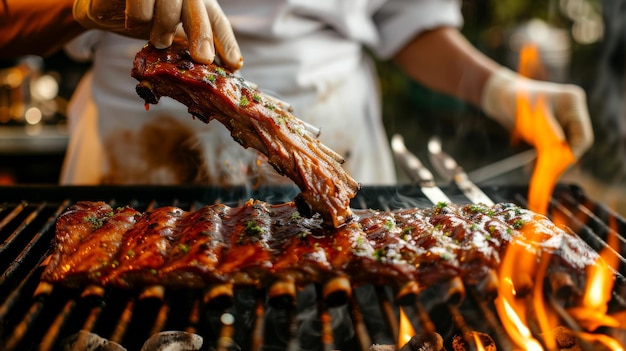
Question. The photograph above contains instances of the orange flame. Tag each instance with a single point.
(515, 324)
(479, 344)
(406, 331)
(600, 280)
(605, 340)
(535, 125)
(524, 265)
(601, 276)
(516, 274)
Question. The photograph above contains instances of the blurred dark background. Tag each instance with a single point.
(580, 41)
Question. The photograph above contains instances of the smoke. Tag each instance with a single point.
(605, 160)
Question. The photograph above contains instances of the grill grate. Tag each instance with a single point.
(32, 318)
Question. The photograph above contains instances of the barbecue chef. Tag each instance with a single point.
(309, 53)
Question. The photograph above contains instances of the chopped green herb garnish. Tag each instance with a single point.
(360, 241)
(441, 204)
(253, 229)
(210, 78)
(270, 106)
(256, 97)
(130, 253)
(519, 223)
(476, 208)
(406, 232)
(94, 221)
(389, 224)
(492, 228)
(379, 254)
(183, 247)
(243, 102)
(280, 120)
(220, 71)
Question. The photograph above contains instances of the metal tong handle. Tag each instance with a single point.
(410, 164)
(448, 168)
(414, 168)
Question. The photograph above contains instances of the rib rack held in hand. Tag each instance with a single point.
(254, 120)
(258, 243)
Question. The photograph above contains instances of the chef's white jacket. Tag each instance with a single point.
(308, 53)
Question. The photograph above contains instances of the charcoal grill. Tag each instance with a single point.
(41, 320)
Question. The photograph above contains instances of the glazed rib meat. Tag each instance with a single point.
(258, 242)
(254, 120)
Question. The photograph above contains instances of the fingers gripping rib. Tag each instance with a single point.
(167, 18)
(225, 42)
(199, 32)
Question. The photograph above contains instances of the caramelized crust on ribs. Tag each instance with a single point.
(257, 243)
(254, 120)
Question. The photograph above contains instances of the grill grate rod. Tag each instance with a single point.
(11, 239)
(258, 326)
(584, 231)
(464, 329)
(500, 335)
(14, 213)
(5, 247)
(360, 329)
(586, 215)
(51, 335)
(388, 311)
(25, 325)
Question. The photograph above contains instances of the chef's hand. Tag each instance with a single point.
(204, 23)
(566, 102)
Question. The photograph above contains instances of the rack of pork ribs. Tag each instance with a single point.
(272, 246)
(255, 120)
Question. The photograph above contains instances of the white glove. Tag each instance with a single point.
(567, 102)
(204, 23)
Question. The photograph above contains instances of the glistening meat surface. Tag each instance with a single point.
(258, 242)
(254, 120)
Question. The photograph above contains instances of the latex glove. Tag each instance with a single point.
(567, 103)
(205, 25)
